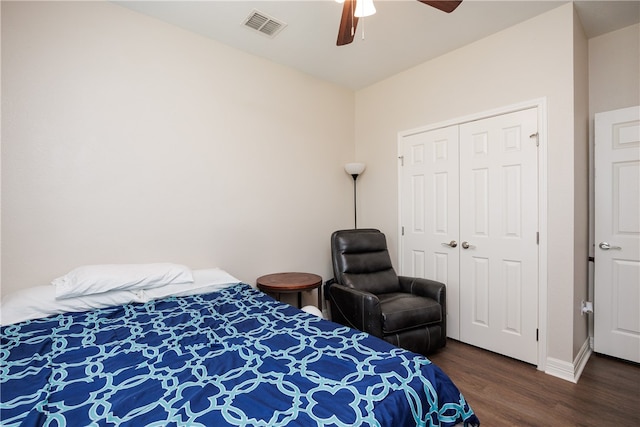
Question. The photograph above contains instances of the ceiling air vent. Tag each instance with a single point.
(264, 23)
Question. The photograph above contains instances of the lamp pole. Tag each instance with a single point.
(355, 169)
(355, 201)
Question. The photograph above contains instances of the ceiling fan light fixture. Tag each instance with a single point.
(364, 8)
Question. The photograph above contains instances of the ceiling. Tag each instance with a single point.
(402, 34)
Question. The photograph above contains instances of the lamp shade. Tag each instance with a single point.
(354, 168)
(364, 8)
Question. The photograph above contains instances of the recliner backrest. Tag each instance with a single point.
(361, 261)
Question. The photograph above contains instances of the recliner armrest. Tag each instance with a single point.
(424, 288)
(430, 289)
(357, 309)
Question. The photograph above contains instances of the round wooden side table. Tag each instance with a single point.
(280, 283)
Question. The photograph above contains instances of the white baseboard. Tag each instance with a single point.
(570, 371)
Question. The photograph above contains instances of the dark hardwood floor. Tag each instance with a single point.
(507, 392)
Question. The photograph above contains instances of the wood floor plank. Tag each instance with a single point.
(507, 392)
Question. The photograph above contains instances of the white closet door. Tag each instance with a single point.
(429, 213)
(498, 233)
(617, 234)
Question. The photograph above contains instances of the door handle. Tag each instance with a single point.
(605, 246)
(451, 244)
(467, 245)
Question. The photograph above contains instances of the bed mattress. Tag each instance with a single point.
(230, 357)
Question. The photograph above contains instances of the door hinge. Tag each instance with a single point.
(401, 160)
(537, 330)
(537, 137)
(537, 237)
(403, 230)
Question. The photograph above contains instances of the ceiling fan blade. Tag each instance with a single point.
(348, 23)
(443, 5)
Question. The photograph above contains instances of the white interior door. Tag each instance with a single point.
(476, 183)
(498, 233)
(429, 213)
(617, 234)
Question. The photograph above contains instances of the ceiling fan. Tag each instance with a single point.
(349, 20)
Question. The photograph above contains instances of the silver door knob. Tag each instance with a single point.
(451, 244)
(605, 246)
(467, 245)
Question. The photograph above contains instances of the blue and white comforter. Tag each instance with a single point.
(233, 357)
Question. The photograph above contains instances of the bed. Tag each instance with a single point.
(208, 352)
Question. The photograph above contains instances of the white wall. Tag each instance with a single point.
(126, 140)
(614, 70)
(528, 61)
(581, 185)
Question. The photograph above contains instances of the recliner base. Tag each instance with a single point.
(420, 340)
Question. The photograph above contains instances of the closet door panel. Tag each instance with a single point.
(429, 212)
(498, 226)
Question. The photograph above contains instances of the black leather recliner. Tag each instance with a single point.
(366, 294)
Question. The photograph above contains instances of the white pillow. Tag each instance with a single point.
(95, 279)
(204, 282)
(40, 301)
(312, 309)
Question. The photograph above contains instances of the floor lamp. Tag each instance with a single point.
(354, 169)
